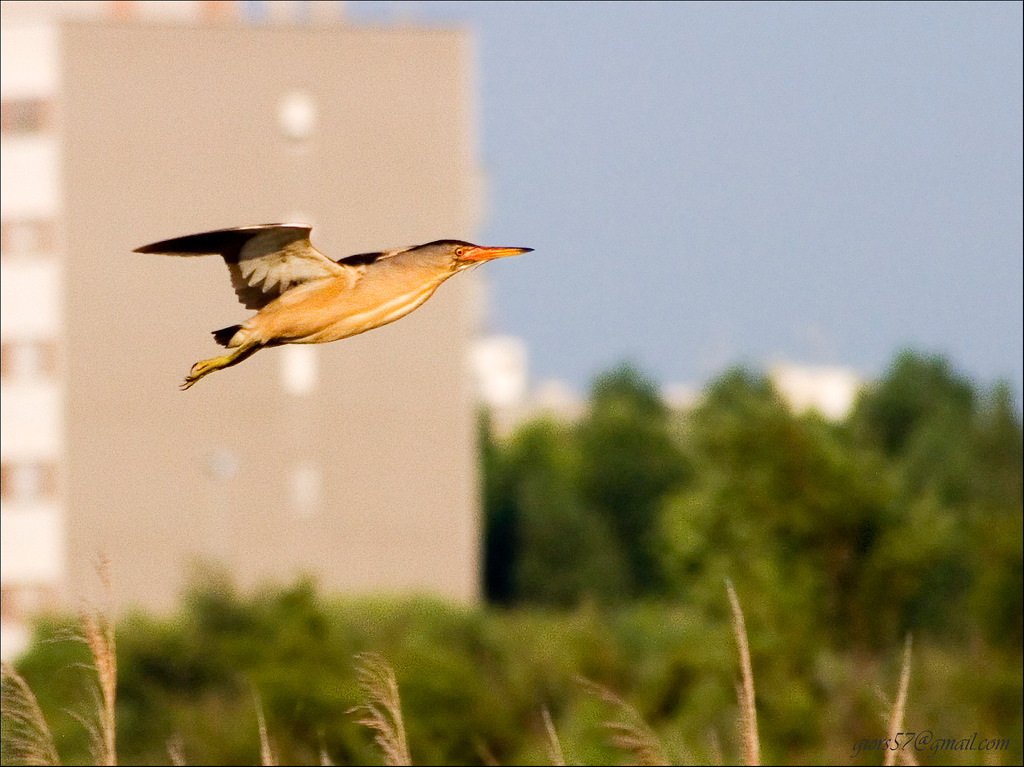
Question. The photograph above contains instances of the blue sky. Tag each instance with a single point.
(716, 183)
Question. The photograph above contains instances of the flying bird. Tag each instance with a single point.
(303, 297)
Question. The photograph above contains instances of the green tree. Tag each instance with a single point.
(501, 517)
(543, 545)
(951, 560)
(572, 509)
(780, 505)
(629, 461)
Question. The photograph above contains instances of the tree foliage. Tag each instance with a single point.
(572, 509)
(905, 516)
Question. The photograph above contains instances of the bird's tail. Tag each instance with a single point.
(224, 335)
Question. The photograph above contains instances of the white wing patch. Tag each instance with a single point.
(277, 260)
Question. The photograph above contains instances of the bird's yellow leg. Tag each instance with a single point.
(205, 367)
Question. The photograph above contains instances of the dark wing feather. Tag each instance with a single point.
(361, 259)
(225, 242)
(264, 261)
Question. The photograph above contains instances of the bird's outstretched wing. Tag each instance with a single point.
(264, 261)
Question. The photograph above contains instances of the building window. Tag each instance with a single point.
(27, 237)
(299, 369)
(254, 11)
(27, 360)
(23, 117)
(220, 464)
(296, 115)
(122, 10)
(217, 10)
(28, 481)
(306, 488)
(19, 601)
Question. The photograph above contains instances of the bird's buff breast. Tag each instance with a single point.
(316, 314)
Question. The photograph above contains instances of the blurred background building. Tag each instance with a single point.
(124, 123)
(503, 383)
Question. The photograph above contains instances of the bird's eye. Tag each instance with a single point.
(460, 252)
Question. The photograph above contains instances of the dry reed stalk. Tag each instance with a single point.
(382, 712)
(898, 708)
(266, 752)
(98, 635)
(30, 740)
(176, 751)
(325, 759)
(554, 748)
(487, 758)
(716, 748)
(630, 732)
(745, 692)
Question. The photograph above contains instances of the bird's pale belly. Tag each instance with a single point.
(326, 314)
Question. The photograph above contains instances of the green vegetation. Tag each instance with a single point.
(608, 543)
(905, 517)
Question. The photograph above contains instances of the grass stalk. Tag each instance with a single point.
(745, 690)
(30, 740)
(898, 708)
(98, 635)
(629, 731)
(382, 711)
(554, 748)
(266, 752)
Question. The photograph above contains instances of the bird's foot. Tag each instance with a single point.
(205, 367)
(202, 368)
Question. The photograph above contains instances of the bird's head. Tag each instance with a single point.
(465, 254)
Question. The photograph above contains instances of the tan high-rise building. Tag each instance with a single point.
(354, 462)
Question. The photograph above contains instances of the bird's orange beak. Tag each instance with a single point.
(489, 254)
